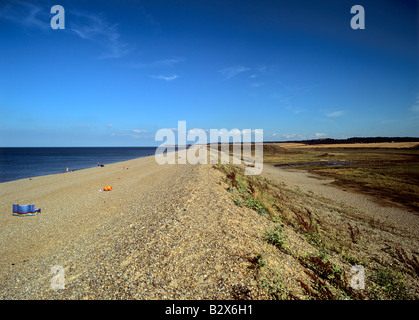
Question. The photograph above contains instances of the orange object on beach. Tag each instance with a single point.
(107, 188)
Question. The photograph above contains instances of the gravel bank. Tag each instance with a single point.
(164, 232)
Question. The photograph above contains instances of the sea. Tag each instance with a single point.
(20, 163)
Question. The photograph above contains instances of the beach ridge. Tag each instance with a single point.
(157, 234)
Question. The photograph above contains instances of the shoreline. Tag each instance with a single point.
(74, 170)
(59, 194)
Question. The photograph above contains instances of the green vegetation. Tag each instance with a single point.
(334, 240)
(249, 191)
(269, 279)
(276, 237)
(274, 286)
(395, 184)
(324, 270)
(392, 175)
(392, 283)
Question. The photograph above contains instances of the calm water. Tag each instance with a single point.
(19, 163)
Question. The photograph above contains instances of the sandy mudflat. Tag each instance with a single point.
(165, 231)
(405, 220)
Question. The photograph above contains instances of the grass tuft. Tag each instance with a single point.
(276, 237)
(392, 282)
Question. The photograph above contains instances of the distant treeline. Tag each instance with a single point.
(360, 140)
(348, 140)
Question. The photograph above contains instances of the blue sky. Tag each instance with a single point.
(121, 70)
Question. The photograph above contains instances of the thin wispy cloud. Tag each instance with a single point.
(96, 28)
(299, 136)
(294, 136)
(335, 114)
(171, 62)
(283, 98)
(150, 20)
(27, 15)
(231, 72)
(135, 134)
(170, 77)
(88, 26)
(295, 110)
(319, 135)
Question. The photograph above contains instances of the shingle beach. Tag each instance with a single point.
(163, 232)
